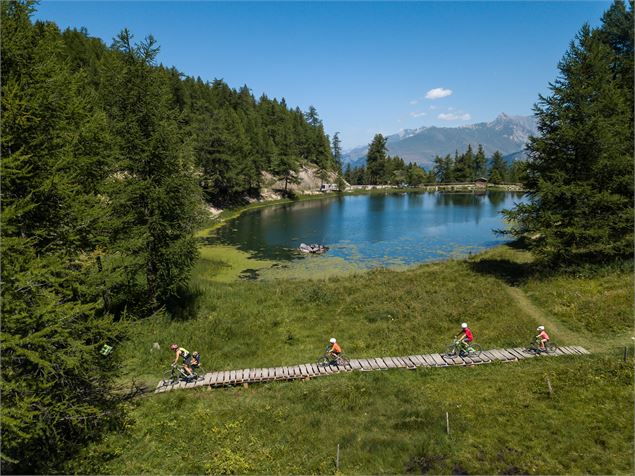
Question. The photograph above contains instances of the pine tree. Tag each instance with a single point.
(56, 388)
(336, 149)
(376, 159)
(480, 163)
(155, 198)
(580, 174)
(498, 168)
(464, 166)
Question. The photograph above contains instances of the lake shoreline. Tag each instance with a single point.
(232, 260)
(220, 216)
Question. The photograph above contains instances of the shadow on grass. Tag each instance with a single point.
(511, 271)
(185, 305)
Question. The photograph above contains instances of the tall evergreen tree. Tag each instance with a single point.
(155, 198)
(580, 175)
(480, 163)
(336, 149)
(498, 169)
(56, 387)
(376, 159)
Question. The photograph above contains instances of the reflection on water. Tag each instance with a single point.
(373, 230)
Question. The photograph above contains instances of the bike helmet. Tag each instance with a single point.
(464, 325)
(174, 347)
(332, 341)
(540, 328)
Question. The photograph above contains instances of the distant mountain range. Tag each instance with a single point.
(507, 134)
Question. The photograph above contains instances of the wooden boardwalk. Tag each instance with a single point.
(307, 371)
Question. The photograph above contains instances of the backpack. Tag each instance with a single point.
(197, 357)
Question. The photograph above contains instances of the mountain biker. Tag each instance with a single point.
(334, 349)
(542, 338)
(185, 355)
(465, 337)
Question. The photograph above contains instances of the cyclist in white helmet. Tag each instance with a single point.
(334, 348)
(542, 337)
(465, 336)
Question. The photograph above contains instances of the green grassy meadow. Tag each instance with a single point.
(502, 418)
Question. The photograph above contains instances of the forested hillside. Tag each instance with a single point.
(107, 159)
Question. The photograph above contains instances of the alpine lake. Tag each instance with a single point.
(391, 230)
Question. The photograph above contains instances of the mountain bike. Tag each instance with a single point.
(333, 359)
(457, 349)
(534, 347)
(176, 373)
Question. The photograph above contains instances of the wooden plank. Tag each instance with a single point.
(491, 355)
(316, 370)
(507, 355)
(400, 362)
(575, 349)
(303, 371)
(414, 363)
(355, 364)
(329, 369)
(419, 361)
(381, 365)
(582, 350)
(390, 362)
(523, 351)
(439, 362)
(411, 364)
(566, 350)
(516, 354)
(365, 365)
(429, 360)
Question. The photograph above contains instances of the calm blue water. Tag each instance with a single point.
(375, 230)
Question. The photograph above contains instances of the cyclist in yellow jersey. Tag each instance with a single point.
(185, 355)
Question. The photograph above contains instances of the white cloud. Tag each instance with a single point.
(438, 93)
(432, 108)
(418, 114)
(454, 117)
(414, 101)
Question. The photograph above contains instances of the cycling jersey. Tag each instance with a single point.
(184, 353)
(543, 335)
(468, 335)
(336, 349)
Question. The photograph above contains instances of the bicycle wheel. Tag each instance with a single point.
(475, 350)
(550, 347)
(450, 351)
(323, 361)
(342, 360)
(169, 377)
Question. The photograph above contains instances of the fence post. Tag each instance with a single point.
(337, 458)
(549, 387)
(447, 423)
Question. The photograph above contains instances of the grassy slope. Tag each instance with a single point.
(502, 418)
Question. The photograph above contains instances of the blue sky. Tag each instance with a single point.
(366, 66)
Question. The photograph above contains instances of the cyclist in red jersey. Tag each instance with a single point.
(465, 336)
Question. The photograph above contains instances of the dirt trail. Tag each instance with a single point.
(561, 333)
